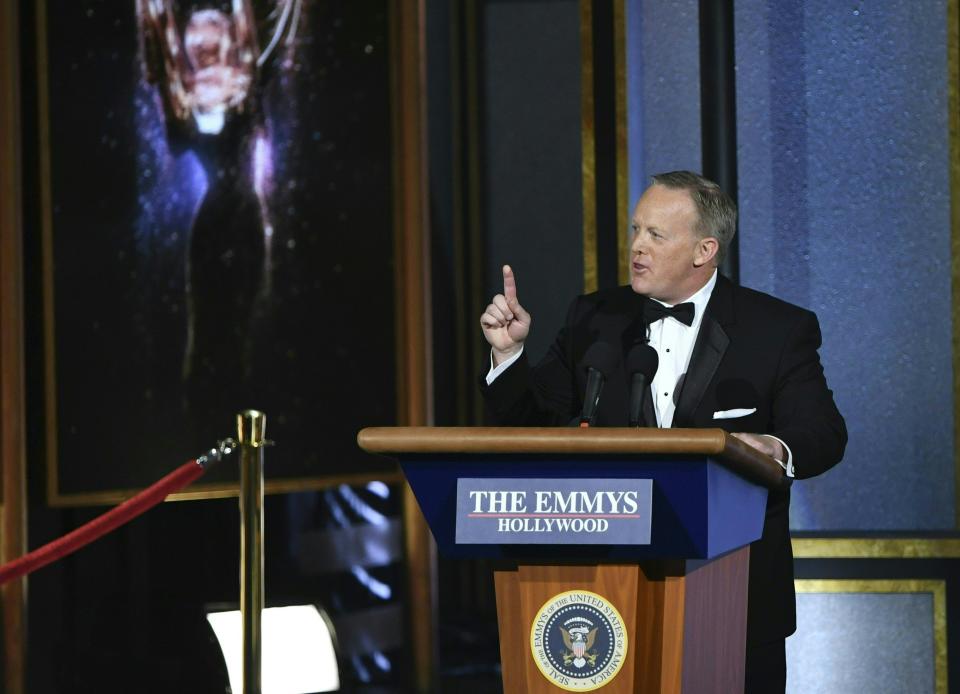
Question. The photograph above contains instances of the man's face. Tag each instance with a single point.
(666, 258)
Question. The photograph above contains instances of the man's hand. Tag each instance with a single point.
(505, 324)
(764, 444)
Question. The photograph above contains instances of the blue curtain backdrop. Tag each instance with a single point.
(845, 197)
(844, 191)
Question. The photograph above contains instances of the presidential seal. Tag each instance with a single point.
(578, 640)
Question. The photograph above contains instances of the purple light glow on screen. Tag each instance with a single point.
(263, 180)
(170, 187)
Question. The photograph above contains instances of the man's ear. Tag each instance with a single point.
(706, 251)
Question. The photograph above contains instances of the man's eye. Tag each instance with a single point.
(656, 234)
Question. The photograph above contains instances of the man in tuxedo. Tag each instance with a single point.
(729, 357)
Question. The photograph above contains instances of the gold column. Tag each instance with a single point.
(13, 520)
(251, 426)
(953, 135)
(588, 166)
(413, 317)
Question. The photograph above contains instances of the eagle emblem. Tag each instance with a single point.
(579, 642)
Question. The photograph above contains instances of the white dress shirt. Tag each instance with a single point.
(674, 344)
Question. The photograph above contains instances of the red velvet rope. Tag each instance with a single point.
(101, 525)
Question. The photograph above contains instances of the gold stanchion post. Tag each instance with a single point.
(251, 427)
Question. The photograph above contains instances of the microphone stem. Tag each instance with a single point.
(638, 390)
(592, 396)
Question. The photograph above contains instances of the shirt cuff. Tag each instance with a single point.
(787, 465)
(503, 366)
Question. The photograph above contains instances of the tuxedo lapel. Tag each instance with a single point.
(708, 350)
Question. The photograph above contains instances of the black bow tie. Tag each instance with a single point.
(654, 311)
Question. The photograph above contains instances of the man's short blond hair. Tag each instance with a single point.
(716, 211)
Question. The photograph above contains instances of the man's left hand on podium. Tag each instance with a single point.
(765, 444)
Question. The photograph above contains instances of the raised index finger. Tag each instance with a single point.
(509, 284)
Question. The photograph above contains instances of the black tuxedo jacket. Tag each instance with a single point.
(752, 351)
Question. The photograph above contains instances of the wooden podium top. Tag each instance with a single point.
(731, 451)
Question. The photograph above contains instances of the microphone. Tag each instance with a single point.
(599, 361)
(642, 363)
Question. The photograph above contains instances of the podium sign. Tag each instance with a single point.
(553, 511)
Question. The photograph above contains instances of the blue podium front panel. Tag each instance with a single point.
(700, 509)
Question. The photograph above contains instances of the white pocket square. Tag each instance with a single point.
(733, 414)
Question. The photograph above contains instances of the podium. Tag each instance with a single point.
(623, 553)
